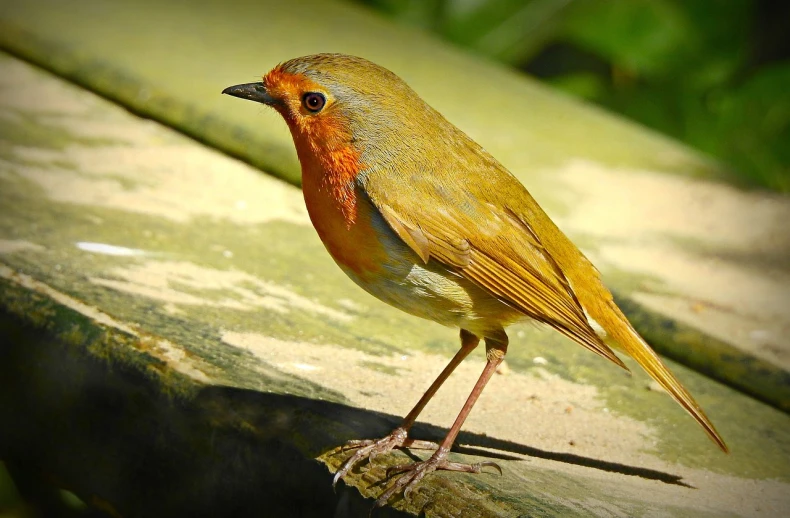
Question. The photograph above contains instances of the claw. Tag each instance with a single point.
(412, 474)
(369, 449)
(488, 464)
(336, 479)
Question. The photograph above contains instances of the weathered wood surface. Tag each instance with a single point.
(703, 268)
(177, 342)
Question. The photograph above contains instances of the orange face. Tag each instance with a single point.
(330, 165)
(320, 133)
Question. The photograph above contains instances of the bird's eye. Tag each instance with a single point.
(313, 101)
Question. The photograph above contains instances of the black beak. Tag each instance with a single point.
(251, 91)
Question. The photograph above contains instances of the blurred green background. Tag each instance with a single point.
(714, 74)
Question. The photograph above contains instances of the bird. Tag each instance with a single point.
(420, 216)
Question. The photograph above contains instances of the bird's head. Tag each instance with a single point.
(335, 103)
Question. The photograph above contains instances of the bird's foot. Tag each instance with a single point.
(370, 449)
(411, 474)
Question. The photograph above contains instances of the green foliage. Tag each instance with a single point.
(714, 74)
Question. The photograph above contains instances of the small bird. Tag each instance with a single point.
(422, 217)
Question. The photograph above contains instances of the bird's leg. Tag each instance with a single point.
(399, 437)
(413, 473)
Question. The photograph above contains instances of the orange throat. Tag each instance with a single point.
(328, 177)
(330, 165)
(341, 219)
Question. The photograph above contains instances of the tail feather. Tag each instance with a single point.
(609, 316)
(597, 301)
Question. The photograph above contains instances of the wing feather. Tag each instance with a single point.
(500, 239)
(505, 267)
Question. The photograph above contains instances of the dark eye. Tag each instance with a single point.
(313, 101)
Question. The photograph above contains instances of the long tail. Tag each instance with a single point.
(600, 306)
(593, 296)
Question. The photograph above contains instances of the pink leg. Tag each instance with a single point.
(413, 473)
(399, 437)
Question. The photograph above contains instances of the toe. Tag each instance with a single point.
(469, 468)
(368, 449)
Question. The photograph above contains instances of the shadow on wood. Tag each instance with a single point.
(114, 435)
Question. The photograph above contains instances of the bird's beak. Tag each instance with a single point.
(252, 91)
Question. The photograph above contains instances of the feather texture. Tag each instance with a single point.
(501, 239)
(422, 217)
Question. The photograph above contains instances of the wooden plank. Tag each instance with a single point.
(176, 342)
(702, 267)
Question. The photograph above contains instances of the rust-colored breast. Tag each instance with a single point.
(351, 241)
(341, 218)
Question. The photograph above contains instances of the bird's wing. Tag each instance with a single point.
(490, 246)
(501, 239)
